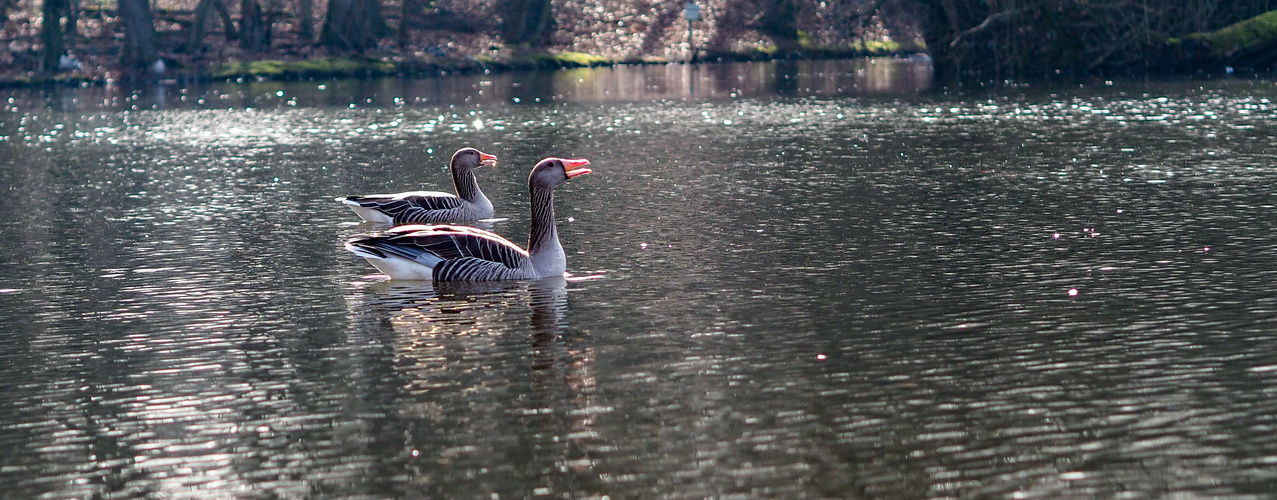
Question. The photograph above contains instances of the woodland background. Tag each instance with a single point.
(984, 39)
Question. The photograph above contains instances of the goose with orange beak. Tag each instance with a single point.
(459, 253)
(429, 207)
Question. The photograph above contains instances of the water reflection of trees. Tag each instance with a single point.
(490, 395)
(613, 84)
(678, 81)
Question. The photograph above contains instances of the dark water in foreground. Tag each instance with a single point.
(830, 284)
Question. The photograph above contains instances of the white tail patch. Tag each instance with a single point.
(399, 268)
(368, 214)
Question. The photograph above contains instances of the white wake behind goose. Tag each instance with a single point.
(459, 253)
(428, 207)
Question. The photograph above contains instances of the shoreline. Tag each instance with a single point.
(357, 67)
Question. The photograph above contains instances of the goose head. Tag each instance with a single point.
(552, 172)
(467, 159)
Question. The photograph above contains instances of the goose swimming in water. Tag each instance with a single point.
(458, 253)
(427, 207)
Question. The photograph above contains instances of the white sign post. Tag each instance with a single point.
(691, 12)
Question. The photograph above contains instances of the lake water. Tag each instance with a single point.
(793, 280)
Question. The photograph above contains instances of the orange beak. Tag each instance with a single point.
(487, 159)
(576, 167)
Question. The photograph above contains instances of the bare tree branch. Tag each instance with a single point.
(988, 21)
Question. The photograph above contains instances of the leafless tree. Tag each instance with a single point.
(305, 20)
(352, 25)
(140, 46)
(252, 28)
(525, 22)
(51, 32)
(997, 39)
(195, 37)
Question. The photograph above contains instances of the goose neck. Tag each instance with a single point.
(466, 184)
(542, 232)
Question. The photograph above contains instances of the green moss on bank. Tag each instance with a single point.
(319, 68)
(1251, 44)
(872, 48)
(544, 60)
(303, 69)
(61, 79)
(1257, 31)
(315, 68)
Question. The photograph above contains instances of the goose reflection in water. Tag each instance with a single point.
(487, 377)
(466, 308)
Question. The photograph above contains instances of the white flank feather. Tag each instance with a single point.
(398, 268)
(367, 214)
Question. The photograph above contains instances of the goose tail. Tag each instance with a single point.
(400, 262)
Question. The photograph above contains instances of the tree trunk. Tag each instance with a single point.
(252, 31)
(140, 49)
(51, 33)
(4, 11)
(779, 22)
(352, 25)
(195, 37)
(224, 13)
(405, 10)
(73, 16)
(525, 22)
(305, 20)
(939, 26)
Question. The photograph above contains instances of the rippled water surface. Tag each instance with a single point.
(786, 281)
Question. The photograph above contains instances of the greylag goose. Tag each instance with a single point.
(458, 253)
(425, 207)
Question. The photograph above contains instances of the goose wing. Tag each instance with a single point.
(456, 242)
(395, 204)
(472, 269)
(383, 248)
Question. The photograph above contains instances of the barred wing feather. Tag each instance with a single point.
(456, 242)
(472, 269)
(409, 207)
